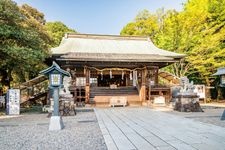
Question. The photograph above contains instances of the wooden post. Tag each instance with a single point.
(87, 87)
(156, 76)
(149, 85)
(143, 85)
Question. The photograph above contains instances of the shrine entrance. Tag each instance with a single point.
(106, 81)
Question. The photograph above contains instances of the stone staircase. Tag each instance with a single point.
(102, 95)
(39, 91)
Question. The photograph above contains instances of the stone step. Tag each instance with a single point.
(111, 94)
(107, 91)
(102, 95)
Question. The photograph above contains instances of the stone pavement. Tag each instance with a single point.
(212, 115)
(30, 132)
(215, 105)
(143, 128)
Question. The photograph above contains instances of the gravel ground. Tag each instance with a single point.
(211, 115)
(30, 131)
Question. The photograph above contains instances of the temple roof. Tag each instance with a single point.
(87, 43)
(111, 48)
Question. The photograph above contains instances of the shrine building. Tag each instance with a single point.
(107, 66)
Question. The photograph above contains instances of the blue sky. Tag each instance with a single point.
(98, 16)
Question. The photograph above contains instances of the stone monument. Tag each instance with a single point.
(65, 92)
(66, 106)
(186, 99)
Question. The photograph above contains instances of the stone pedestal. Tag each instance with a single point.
(56, 123)
(187, 102)
(67, 107)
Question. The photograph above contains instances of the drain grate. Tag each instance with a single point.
(86, 121)
(8, 125)
(42, 124)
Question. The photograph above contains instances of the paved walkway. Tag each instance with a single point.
(220, 105)
(144, 128)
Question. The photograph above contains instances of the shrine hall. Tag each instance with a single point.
(106, 67)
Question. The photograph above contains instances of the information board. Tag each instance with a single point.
(200, 90)
(13, 102)
(223, 79)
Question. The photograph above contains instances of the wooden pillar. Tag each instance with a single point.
(87, 87)
(135, 78)
(143, 85)
(148, 82)
(156, 76)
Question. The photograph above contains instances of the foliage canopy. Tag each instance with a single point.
(198, 31)
(57, 30)
(24, 41)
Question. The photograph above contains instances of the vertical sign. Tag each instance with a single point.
(13, 102)
(223, 79)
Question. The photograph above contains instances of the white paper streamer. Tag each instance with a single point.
(122, 74)
(101, 75)
(131, 78)
(110, 72)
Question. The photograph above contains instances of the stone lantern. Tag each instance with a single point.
(221, 72)
(55, 74)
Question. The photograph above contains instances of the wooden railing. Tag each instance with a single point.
(33, 89)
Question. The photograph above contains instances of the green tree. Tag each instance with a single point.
(57, 30)
(198, 31)
(144, 24)
(208, 53)
(23, 42)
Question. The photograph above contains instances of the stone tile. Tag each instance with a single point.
(104, 131)
(188, 139)
(165, 148)
(143, 128)
(157, 142)
(116, 134)
(140, 142)
(109, 142)
(204, 146)
(181, 145)
(214, 137)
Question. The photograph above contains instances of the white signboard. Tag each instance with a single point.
(200, 90)
(223, 79)
(13, 102)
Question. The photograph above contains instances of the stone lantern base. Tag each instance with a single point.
(56, 123)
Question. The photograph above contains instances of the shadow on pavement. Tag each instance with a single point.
(223, 115)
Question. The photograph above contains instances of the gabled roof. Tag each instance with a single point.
(108, 45)
(220, 71)
(56, 67)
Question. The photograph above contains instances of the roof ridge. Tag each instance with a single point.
(104, 36)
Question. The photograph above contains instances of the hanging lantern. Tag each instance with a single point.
(101, 75)
(131, 78)
(110, 73)
(122, 74)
